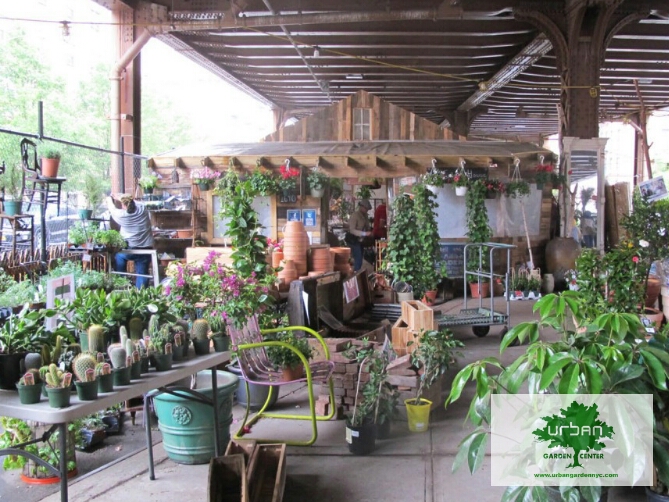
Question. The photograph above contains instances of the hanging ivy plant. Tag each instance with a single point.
(402, 239)
(478, 227)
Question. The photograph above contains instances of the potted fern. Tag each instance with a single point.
(93, 195)
(148, 183)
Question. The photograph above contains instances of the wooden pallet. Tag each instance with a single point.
(268, 473)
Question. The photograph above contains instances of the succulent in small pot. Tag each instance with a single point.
(58, 386)
(87, 388)
(104, 377)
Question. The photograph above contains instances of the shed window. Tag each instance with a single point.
(361, 123)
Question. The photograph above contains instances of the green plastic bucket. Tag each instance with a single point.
(187, 425)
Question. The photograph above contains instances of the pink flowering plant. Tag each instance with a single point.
(205, 175)
(273, 245)
(223, 292)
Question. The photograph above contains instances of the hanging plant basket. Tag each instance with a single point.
(461, 191)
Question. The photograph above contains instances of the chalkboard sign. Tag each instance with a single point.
(453, 255)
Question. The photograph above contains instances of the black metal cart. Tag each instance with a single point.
(482, 316)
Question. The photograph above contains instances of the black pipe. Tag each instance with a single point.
(40, 119)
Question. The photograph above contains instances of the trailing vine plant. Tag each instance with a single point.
(429, 274)
(402, 239)
(478, 228)
(243, 227)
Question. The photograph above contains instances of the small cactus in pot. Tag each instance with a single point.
(30, 387)
(122, 364)
(104, 377)
(58, 386)
(82, 363)
(200, 332)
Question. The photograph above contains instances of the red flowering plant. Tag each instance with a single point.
(460, 180)
(289, 176)
(545, 173)
(494, 186)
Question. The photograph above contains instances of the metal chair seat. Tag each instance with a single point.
(256, 368)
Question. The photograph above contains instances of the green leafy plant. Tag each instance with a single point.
(26, 331)
(148, 182)
(378, 399)
(243, 228)
(11, 181)
(435, 352)
(434, 177)
(518, 188)
(92, 191)
(317, 179)
(478, 226)
(402, 260)
(283, 356)
(647, 231)
(430, 270)
(51, 154)
(263, 182)
(460, 179)
(110, 239)
(602, 356)
(82, 232)
(364, 192)
(20, 293)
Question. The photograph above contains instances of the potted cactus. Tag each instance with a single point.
(121, 364)
(200, 332)
(104, 377)
(83, 367)
(30, 387)
(58, 386)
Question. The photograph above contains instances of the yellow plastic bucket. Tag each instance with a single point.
(418, 414)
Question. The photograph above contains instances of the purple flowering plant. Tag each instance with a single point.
(221, 290)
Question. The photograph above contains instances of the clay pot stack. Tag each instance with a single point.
(295, 245)
(320, 260)
(287, 275)
(341, 259)
(277, 257)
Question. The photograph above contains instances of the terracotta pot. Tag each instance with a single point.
(277, 256)
(430, 297)
(652, 290)
(185, 234)
(483, 293)
(50, 167)
(287, 275)
(290, 374)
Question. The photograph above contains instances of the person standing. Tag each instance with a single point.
(133, 218)
(359, 227)
(380, 217)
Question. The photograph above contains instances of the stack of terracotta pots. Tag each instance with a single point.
(277, 258)
(287, 275)
(342, 259)
(320, 260)
(296, 245)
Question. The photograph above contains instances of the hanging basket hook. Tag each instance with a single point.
(541, 159)
(434, 163)
(287, 163)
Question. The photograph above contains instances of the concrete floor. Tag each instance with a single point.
(406, 467)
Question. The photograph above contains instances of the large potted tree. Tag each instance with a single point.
(401, 258)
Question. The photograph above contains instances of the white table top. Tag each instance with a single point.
(10, 405)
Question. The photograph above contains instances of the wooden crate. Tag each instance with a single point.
(241, 447)
(268, 468)
(400, 334)
(227, 479)
(417, 315)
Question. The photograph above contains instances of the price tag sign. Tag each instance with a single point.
(86, 257)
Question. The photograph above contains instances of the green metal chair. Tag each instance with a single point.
(256, 368)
